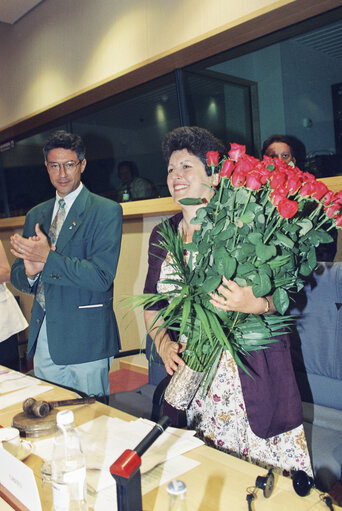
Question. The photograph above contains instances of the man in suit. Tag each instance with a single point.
(67, 258)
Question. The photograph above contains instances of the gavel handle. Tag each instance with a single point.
(70, 402)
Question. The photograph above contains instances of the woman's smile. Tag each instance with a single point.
(187, 176)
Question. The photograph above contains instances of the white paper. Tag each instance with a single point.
(104, 439)
(12, 398)
(19, 480)
(171, 469)
(106, 499)
(15, 381)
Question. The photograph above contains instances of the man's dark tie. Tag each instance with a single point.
(53, 235)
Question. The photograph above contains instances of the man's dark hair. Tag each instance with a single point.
(63, 139)
(131, 165)
(197, 141)
(297, 147)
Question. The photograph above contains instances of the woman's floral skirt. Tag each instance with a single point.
(221, 419)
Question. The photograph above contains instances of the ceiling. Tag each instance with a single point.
(13, 10)
(326, 40)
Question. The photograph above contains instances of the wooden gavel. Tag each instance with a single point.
(33, 408)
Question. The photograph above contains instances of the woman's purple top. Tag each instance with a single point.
(272, 398)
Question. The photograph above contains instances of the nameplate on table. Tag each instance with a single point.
(17, 483)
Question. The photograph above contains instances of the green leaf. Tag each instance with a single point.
(229, 267)
(254, 237)
(245, 269)
(265, 268)
(191, 201)
(262, 285)
(242, 196)
(305, 269)
(260, 218)
(306, 226)
(247, 217)
(265, 252)
(312, 260)
(204, 321)
(324, 237)
(281, 300)
(211, 284)
(242, 282)
(248, 249)
(228, 232)
(284, 240)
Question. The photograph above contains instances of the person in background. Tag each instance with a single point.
(133, 187)
(12, 319)
(259, 418)
(289, 149)
(67, 258)
(285, 148)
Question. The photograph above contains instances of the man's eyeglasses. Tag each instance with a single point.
(68, 166)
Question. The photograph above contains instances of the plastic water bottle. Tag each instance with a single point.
(177, 496)
(68, 467)
(126, 195)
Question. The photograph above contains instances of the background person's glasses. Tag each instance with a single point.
(68, 166)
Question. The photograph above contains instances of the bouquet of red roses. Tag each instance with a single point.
(261, 228)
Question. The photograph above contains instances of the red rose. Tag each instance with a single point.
(238, 178)
(264, 172)
(308, 176)
(213, 158)
(328, 197)
(293, 182)
(278, 194)
(246, 163)
(332, 209)
(253, 181)
(227, 168)
(236, 151)
(287, 208)
(277, 178)
(338, 220)
(307, 189)
(320, 189)
(268, 162)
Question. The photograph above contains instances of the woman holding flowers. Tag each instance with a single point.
(255, 415)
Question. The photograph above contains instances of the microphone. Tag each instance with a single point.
(152, 436)
(126, 470)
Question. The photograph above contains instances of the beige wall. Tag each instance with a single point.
(64, 47)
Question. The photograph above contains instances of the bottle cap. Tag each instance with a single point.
(65, 417)
(176, 487)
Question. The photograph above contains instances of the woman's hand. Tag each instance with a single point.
(169, 353)
(167, 350)
(231, 297)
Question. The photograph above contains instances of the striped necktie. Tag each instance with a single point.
(53, 235)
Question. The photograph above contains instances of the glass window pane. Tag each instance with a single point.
(25, 177)
(221, 106)
(129, 129)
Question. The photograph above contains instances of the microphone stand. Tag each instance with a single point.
(126, 470)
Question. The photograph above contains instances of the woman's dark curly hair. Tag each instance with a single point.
(197, 141)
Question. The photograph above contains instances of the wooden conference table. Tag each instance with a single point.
(218, 484)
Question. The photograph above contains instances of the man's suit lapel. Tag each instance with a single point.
(73, 220)
(45, 216)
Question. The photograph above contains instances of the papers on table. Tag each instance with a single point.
(106, 499)
(15, 387)
(104, 439)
